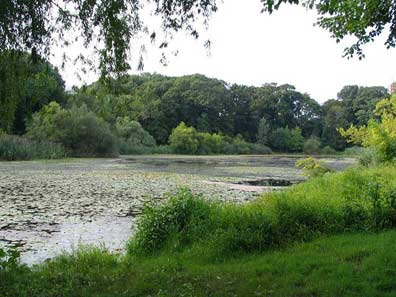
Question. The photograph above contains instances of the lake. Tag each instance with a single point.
(48, 207)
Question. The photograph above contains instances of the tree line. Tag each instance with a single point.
(275, 116)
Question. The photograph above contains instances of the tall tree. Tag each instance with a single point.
(25, 86)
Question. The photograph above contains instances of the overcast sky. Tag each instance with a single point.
(253, 48)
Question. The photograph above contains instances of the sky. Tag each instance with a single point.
(253, 48)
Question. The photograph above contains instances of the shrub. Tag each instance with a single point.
(312, 146)
(187, 140)
(256, 148)
(286, 140)
(184, 140)
(77, 129)
(328, 150)
(211, 143)
(380, 136)
(132, 138)
(9, 259)
(312, 167)
(14, 148)
(183, 216)
(237, 146)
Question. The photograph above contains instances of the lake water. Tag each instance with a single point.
(48, 207)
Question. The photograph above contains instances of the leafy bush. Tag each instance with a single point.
(350, 201)
(132, 138)
(211, 143)
(181, 216)
(77, 129)
(312, 146)
(14, 148)
(328, 150)
(187, 140)
(380, 136)
(287, 140)
(9, 259)
(184, 140)
(312, 167)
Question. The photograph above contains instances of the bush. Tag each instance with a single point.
(9, 259)
(183, 216)
(77, 129)
(312, 167)
(286, 140)
(312, 146)
(211, 143)
(132, 138)
(354, 200)
(328, 150)
(187, 140)
(378, 135)
(14, 148)
(184, 140)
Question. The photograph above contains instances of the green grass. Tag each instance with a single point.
(13, 148)
(345, 265)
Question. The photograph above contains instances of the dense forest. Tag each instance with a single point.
(193, 113)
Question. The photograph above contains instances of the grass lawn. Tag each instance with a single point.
(359, 264)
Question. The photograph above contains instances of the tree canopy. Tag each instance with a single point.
(362, 19)
(110, 26)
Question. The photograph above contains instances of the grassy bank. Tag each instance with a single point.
(344, 265)
(355, 200)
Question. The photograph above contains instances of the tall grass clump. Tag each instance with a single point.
(183, 218)
(13, 148)
(355, 200)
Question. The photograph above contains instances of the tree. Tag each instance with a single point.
(379, 135)
(108, 26)
(184, 139)
(25, 87)
(362, 19)
(77, 129)
(263, 132)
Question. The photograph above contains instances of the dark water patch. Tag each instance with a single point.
(270, 182)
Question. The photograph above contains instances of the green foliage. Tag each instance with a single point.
(184, 140)
(184, 215)
(312, 167)
(380, 136)
(77, 129)
(25, 86)
(109, 27)
(328, 150)
(312, 146)
(354, 200)
(263, 132)
(211, 143)
(133, 139)
(363, 20)
(287, 140)
(187, 140)
(9, 259)
(14, 148)
(359, 264)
